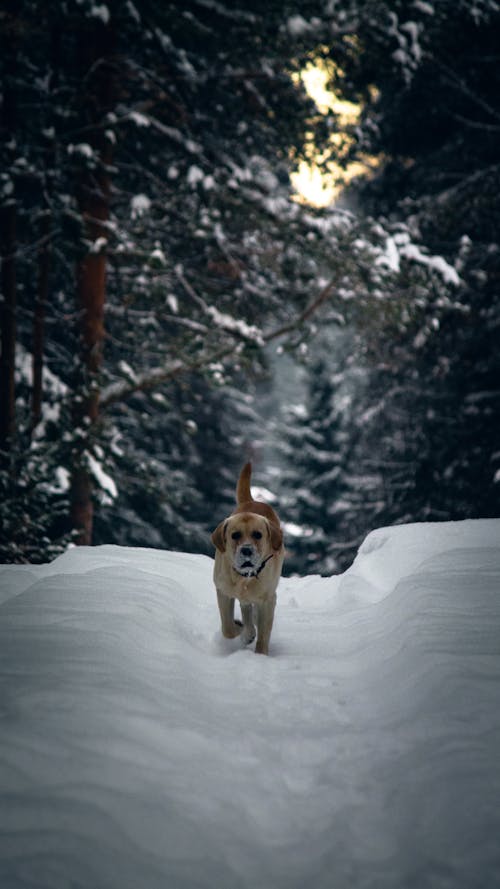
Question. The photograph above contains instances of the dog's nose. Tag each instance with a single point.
(246, 551)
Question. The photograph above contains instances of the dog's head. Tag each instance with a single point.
(249, 540)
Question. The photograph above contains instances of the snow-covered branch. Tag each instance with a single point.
(150, 379)
(140, 383)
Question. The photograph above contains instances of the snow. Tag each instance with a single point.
(209, 183)
(105, 482)
(409, 54)
(438, 263)
(99, 245)
(400, 246)
(128, 371)
(139, 205)
(83, 148)
(100, 12)
(391, 256)
(172, 302)
(259, 492)
(236, 325)
(293, 530)
(297, 26)
(426, 8)
(140, 749)
(194, 175)
(132, 10)
(54, 388)
(7, 186)
(62, 481)
(140, 120)
(158, 256)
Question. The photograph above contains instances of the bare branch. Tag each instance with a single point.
(116, 392)
(460, 84)
(300, 319)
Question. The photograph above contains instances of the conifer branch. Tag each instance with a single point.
(150, 379)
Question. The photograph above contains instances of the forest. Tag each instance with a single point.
(159, 267)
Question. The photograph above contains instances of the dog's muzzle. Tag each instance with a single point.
(248, 561)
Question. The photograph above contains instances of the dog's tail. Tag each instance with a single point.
(243, 492)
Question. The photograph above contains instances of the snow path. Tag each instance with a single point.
(140, 749)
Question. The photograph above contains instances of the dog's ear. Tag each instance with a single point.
(219, 536)
(276, 535)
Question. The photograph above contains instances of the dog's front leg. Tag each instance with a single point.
(230, 629)
(248, 632)
(265, 616)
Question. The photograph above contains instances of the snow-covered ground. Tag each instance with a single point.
(138, 749)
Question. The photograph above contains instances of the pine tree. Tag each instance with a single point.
(422, 431)
(152, 170)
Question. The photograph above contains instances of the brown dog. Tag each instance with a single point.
(248, 559)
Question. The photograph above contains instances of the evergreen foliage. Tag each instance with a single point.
(421, 428)
(151, 251)
(153, 247)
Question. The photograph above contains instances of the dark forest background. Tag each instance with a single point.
(153, 260)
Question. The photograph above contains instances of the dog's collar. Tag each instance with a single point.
(254, 572)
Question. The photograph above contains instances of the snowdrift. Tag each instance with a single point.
(139, 749)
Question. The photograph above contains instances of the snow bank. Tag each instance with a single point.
(140, 749)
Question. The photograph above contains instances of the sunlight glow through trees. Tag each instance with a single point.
(318, 179)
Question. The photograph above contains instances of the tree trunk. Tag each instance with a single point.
(91, 296)
(8, 327)
(8, 283)
(39, 319)
(93, 201)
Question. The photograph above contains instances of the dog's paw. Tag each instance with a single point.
(233, 630)
(248, 635)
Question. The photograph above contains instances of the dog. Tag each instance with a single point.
(248, 561)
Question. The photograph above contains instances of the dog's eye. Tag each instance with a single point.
(236, 535)
(256, 535)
